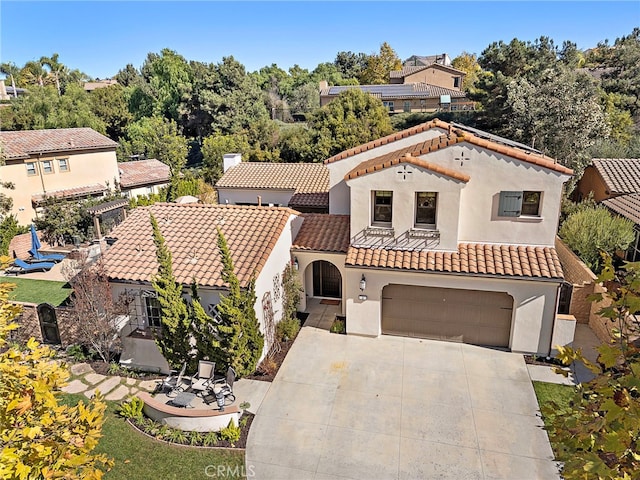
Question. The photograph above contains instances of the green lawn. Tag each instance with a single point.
(138, 457)
(561, 394)
(38, 291)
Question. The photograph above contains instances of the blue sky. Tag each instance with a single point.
(101, 37)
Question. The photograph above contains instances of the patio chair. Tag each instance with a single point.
(20, 266)
(201, 381)
(36, 256)
(173, 384)
(225, 385)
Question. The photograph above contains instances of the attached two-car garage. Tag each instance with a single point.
(468, 316)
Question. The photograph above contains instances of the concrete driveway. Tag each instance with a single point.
(347, 407)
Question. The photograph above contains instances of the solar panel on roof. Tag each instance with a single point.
(496, 138)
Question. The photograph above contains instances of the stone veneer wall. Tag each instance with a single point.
(584, 284)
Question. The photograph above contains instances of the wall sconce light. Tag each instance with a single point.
(296, 265)
(362, 297)
(363, 283)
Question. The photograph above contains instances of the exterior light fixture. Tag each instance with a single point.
(363, 283)
(362, 297)
(296, 265)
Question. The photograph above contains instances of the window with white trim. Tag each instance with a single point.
(31, 168)
(426, 206)
(382, 207)
(47, 166)
(388, 105)
(63, 164)
(519, 203)
(152, 309)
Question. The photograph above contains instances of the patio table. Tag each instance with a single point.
(182, 400)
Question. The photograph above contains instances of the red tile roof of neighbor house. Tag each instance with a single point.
(392, 159)
(299, 177)
(499, 260)
(410, 70)
(323, 233)
(74, 192)
(143, 172)
(453, 136)
(314, 199)
(21, 244)
(24, 143)
(626, 205)
(620, 175)
(190, 232)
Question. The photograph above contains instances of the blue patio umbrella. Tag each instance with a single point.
(35, 241)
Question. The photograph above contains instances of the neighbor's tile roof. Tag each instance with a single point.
(620, 175)
(190, 232)
(391, 159)
(626, 205)
(313, 199)
(22, 144)
(300, 177)
(397, 90)
(501, 260)
(72, 192)
(454, 135)
(323, 233)
(410, 70)
(143, 172)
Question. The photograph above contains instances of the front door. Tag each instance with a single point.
(48, 324)
(327, 281)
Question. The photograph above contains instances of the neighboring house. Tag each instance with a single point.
(91, 86)
(410, 97)
(615, 182)
(418, 60)
(301, 186)
(440, 232)
(259, 239)
(66, 163)
(7, 92)
(143, 177)
(434, 74)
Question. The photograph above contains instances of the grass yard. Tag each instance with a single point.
(138, 457)
(547, 392)
(38, 291)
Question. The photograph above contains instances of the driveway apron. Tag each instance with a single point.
(349, 407)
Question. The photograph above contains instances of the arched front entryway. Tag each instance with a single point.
(327, 281)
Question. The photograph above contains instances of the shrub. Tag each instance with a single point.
(338, 326)
(76, 352)
(287, 329)
(210, 438)
(132, 408)
(230, 433)
(268, 366)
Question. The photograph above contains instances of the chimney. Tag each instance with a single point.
(259, 201)
(230, 160)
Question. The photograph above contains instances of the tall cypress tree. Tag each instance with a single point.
(203, 327)
(241, 342)
(175, 337)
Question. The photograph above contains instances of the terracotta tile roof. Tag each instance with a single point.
(190, 231)
(410, 70)
(74, 192)
(500, 260)
(626, 205)
(21, 244)
(454, 135)
(299, 177)
(390, 159)
(314, 199)
(397, 91)
(323, 233)
(620, 175)
(143, 172)
(22, 144)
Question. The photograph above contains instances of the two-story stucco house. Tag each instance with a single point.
(66, 163)
(439, 232)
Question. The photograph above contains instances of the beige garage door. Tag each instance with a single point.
(468, 316)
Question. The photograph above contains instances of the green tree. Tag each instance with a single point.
(12, 71)
(56, 69)
(110, 105)
(468, 63)
(597, 436)
(61, 221)
(8, 229)
(379, 66)
(174, 337)
(128, 76)
(352, 119)
(241, 342)
(39, 437)
(33, 74)
(350, 64)
(203, 328)
(213, 149)
(590, 231)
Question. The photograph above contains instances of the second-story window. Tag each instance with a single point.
(382, 206)
(426, 205)
(531, 204)
(47, 166)
(517, 204)
(31, 168)
(456, 82)
(63, 164)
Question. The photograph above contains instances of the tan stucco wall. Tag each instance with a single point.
(250, 195)
(435, 76)
(534, 304)
(305, 272)
(146, 190)
(591, 181)
(339, 191)
(85, 168)
(404, 188)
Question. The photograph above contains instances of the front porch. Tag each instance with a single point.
(322, 312)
